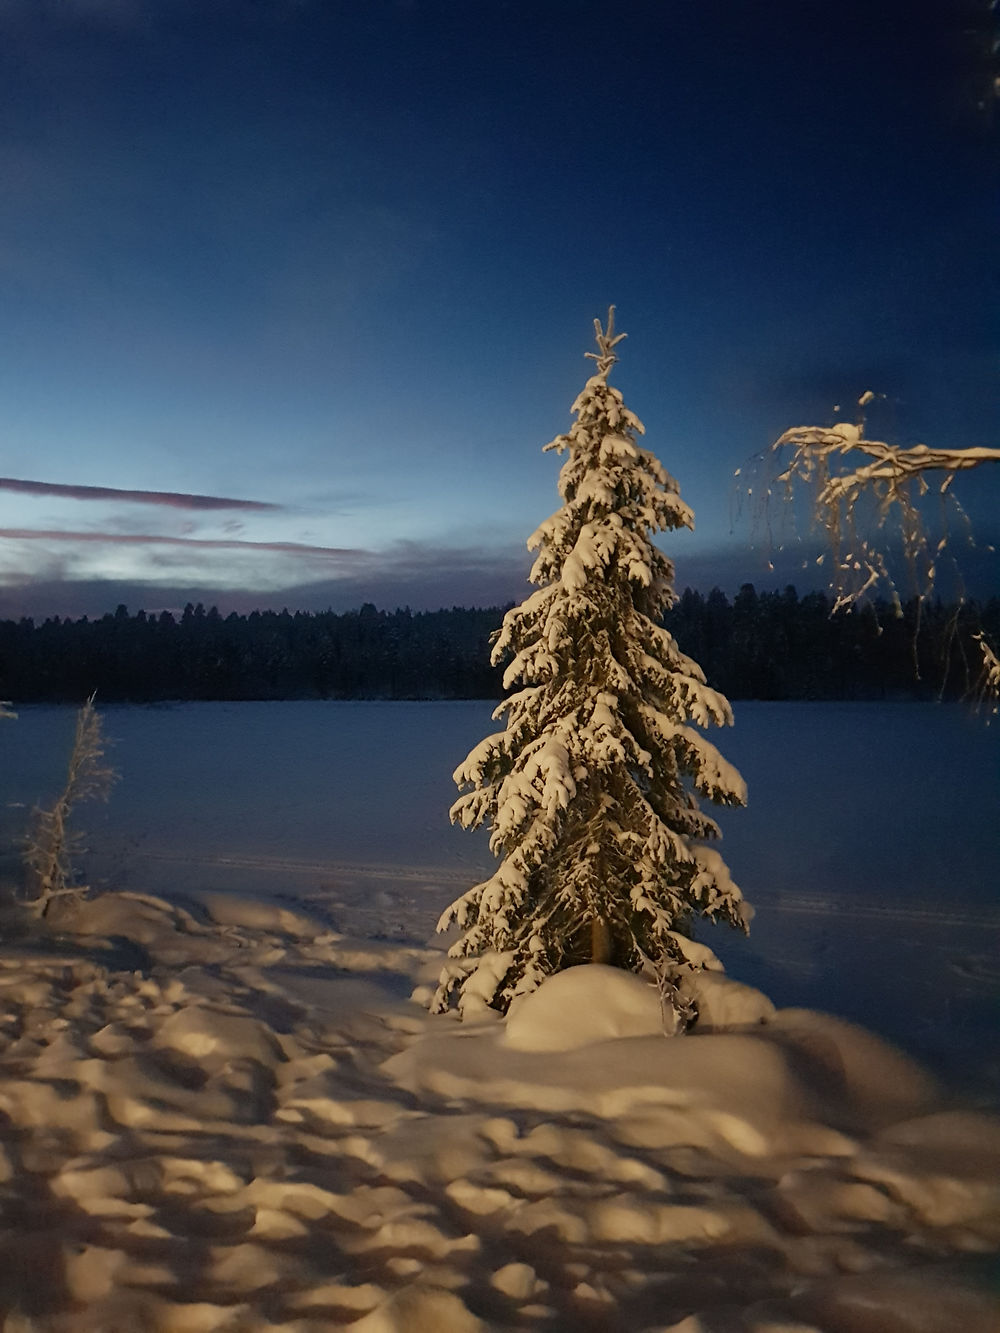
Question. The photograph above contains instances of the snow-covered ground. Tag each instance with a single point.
(220, 1110)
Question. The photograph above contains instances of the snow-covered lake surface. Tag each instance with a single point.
(870, 846)
(220, 1112)
(890, 801)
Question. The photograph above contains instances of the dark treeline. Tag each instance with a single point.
(759, 646)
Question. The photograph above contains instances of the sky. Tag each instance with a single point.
(293, 292)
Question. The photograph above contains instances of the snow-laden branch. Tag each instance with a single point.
(844, 469)
(813, 446)
(989, 683)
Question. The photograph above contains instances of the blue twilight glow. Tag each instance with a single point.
(341, 260)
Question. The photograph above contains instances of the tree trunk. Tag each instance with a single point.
(600, 941)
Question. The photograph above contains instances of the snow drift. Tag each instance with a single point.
(238, 1125)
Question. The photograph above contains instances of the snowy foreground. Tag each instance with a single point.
(221, 1114)
(220, 1109)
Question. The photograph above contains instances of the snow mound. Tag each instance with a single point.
(749, 1081)
(586, 1004)
(605, 1053)
(212, 1038)
(593, 1002)
(420, 1309)
(870, 1080)
(723, 1003)
(229, 910)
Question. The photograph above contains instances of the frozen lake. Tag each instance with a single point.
(871, 844)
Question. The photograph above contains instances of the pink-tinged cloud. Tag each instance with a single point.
(147, 539)
(173, 499)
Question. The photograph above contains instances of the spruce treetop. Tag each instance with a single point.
(607, 340)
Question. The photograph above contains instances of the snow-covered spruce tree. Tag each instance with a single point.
(591, 791)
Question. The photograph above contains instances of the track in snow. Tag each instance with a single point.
(825, 905)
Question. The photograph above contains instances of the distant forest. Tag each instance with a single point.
(759, 646)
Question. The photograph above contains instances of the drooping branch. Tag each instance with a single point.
(823, 457)
(845, 470)
(989, 684)
(813, 447)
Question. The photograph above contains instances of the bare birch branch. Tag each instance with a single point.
(843, 468)
(53, 846)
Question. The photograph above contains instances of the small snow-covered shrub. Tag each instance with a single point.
(591, 791)
(52, 844)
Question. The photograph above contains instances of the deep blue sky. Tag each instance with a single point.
(342, 260)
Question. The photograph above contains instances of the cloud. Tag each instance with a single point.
(173, 499)
(421, 576)
(31, 557)
(410, 574)
(156, 539)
